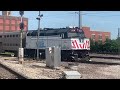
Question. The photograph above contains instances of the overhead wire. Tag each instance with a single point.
(96, 14)
(84, 14)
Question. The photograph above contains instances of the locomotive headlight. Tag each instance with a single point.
(72, 56)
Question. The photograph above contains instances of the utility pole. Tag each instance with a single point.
(118, 41)
(21, 50)
(118, 32)
(80, 20)
(38, 18)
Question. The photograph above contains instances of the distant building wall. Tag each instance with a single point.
(10, 31)
(96, 35)
(11, 23)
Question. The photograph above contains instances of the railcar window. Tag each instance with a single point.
(13, 44)
(10, 44)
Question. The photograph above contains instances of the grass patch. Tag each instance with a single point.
(6, 59)
(7, 53)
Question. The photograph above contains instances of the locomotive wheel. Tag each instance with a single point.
(86, 58)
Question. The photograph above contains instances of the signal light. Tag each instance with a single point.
(21, 25)
(21, 13)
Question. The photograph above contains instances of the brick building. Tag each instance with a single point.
(96, 35)
(10, 32)
(10, 23)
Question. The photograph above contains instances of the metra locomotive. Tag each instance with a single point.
(74, 45)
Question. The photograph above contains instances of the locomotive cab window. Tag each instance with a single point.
(76, 33)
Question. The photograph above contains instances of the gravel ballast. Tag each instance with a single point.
(5, 74)
(32, 69)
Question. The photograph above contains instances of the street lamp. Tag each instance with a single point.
(21, 50)
(38, 18)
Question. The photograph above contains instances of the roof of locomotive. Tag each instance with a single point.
(47, 31)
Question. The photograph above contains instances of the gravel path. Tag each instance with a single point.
(96, 69)
(108, 69)
(5, 74)
(33, 69)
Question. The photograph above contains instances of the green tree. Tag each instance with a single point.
(109, 46)
(92, 45)
(118, 45)
(100, 47)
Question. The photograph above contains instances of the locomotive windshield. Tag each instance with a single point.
(73, 33)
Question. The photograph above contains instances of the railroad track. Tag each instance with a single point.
(103, 60)
(6, 73)
(105, 56)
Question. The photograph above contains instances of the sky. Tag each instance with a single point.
(108, 21)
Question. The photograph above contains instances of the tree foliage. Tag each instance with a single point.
(108, 47)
